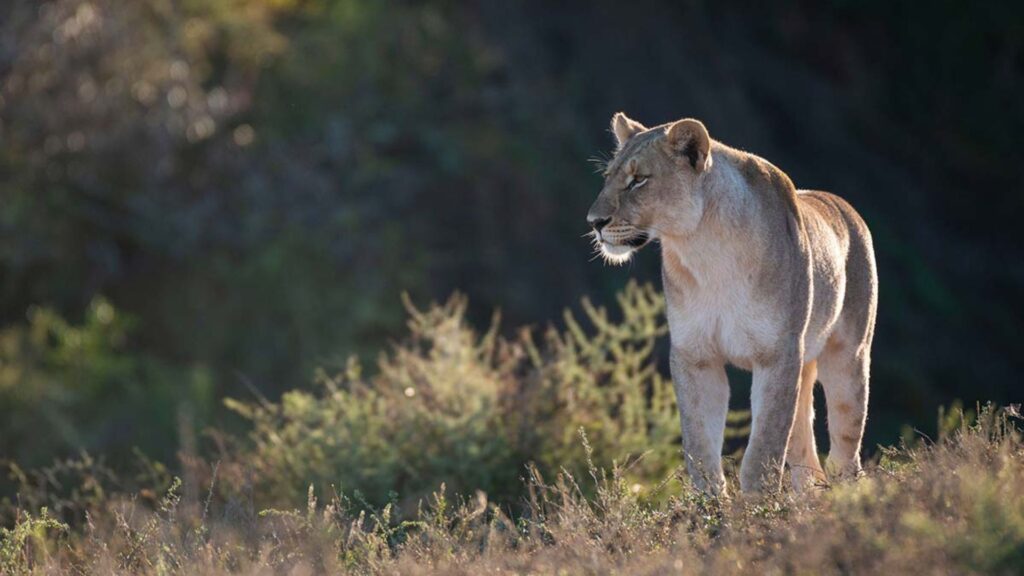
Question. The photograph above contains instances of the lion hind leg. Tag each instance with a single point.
(844, 376)
(802, 456)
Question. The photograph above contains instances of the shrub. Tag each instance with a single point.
(28, 543)
(473, 409)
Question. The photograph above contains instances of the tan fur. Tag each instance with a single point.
(756, 274)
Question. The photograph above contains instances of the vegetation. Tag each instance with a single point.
(469, 452)
(956, 506)
(474, 411)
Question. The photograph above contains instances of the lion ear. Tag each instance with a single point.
(625, 128)
(689, 139)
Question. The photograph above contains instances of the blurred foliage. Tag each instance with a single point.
(200, 195)
(145, 170)
(66, 388)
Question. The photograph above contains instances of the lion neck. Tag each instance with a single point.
(727, 244)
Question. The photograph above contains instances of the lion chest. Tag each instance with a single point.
(721, 322)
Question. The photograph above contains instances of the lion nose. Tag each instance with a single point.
(598, 223)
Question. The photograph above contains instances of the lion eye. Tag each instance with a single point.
(637, 183)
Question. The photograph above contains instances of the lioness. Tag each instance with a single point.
(757, 274)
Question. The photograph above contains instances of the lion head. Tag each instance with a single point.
(652, 186)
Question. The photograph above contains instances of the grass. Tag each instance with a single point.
(952, 507)
(467, 452)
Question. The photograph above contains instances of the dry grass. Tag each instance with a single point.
(478, 411)
(952, 507)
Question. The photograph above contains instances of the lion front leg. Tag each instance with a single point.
(702, 393)
(773, 406)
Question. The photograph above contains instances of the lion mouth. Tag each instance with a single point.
(639, 241)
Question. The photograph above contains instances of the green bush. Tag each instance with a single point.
(473, 409)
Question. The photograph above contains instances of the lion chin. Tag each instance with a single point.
(616, 254)
(619, 254)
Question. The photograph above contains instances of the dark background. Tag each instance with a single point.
(199, 199)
